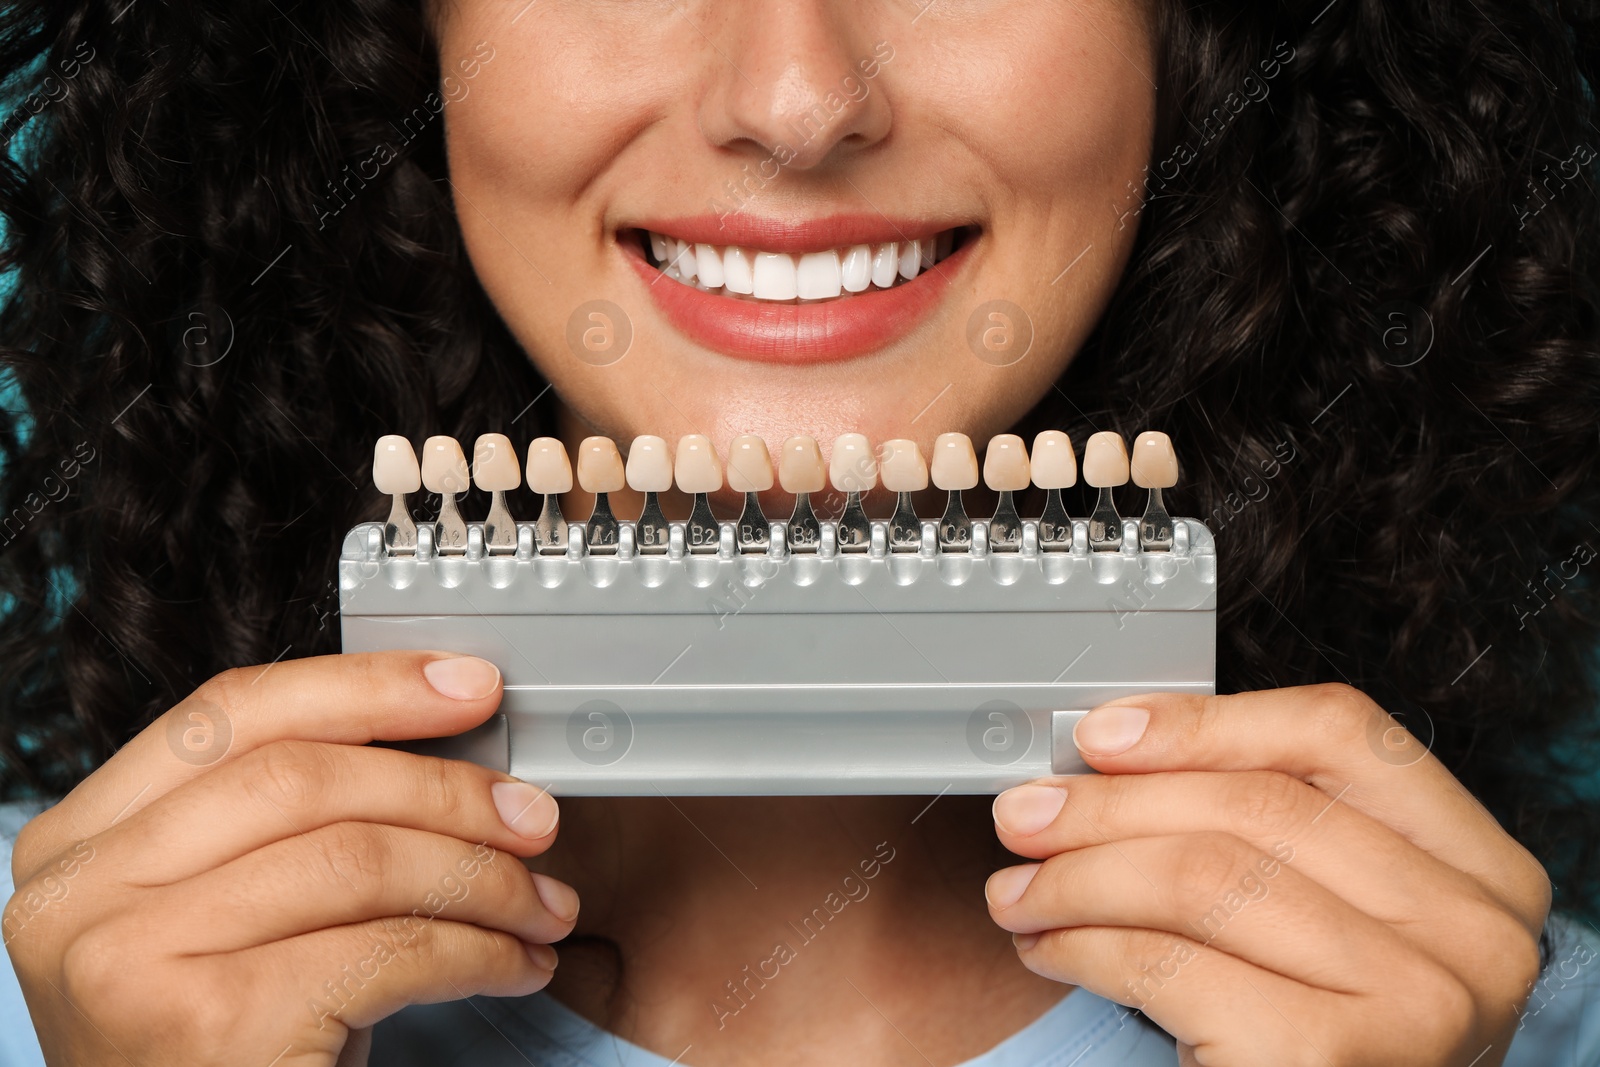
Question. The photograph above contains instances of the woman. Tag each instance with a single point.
(1342, 253)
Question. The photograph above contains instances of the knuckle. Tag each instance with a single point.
(293, 775)
(1530, 888)
(94, 970)
(211, 1012)
(34, 844)
(355, 853)
(1342, 713)
(226, 690)
(1203, 869)
(442, 789)
(1266, 803)
(1443, 1005)
(1511, 953)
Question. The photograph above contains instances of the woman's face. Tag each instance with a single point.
(1003, 133)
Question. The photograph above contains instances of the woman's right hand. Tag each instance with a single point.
(245, 882)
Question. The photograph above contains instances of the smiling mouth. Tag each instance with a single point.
(763, 277)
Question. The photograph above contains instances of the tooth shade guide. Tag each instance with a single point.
(854, 467)
(444, 471)
(1005, 470)
(1155, 467)
(903, 472)
(1105, 466)
(395, 473)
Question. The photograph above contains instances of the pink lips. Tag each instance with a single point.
(823, 332)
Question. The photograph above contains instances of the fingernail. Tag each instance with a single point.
(527, 809)
(1027, 809)
(559, 898)
(543, 956)
(1024, 942)
(463, 677)
(1006, 887)
(1108, 731)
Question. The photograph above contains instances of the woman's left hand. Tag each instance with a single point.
(1276, 878)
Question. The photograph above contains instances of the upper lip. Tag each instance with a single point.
(795, 236)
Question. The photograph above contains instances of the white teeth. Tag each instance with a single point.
(780, 276)
(910, 259)
(737, 273)
(856, 272)
(775, 276)
(709, 264)
(817, 277)
(886, 265)
(687, 261)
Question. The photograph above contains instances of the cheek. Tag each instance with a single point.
(1068, 114)
(540, 125)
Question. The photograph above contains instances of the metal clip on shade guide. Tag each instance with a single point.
(901, 466)
(1005, 470)
(444, 471)
(495, 469)
(649, 471)
(395, 473)
(698, 472)
(955, 469)
(1054, 467)
(1105, 466)
(750, 472)
(853, 471)
(1154, 467)
(550, 475)
(800, 472)
(600, 472)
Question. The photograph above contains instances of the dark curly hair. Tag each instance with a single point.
(1363, 301)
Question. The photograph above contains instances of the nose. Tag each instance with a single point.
(796, 80)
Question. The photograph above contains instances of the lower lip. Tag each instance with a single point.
(844, 328)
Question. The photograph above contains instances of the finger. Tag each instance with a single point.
(1229, 1011)
(1278, 814)
(358, 975)
(1211, 887)
(288, 788)
(1336, 739)
(353, 872)
(346, 699)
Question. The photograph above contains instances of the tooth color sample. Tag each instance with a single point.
(549, 469)
(955, 464)
(749, 465)
(853, 468)
(1005, 463)
(901, 466)
(697, 468)
(1054, 465)
(494, 463)
(649, 467)
(1105, 460)
(444, 466)
(800, 468)
(1154, 464)
(394, 466)
(600, 466)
